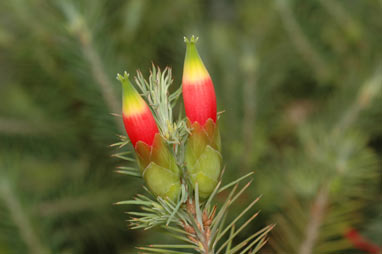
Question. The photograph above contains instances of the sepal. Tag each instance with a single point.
(158, 167)
(162, 181)
(203, 157)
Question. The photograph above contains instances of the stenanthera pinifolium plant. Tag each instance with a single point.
(181, 163)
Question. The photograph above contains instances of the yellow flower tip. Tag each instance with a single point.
(194, 70)
(133, 106)
(133, 103)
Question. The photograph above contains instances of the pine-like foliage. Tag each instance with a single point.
(200, 224)
(294, 78)
(335, 178)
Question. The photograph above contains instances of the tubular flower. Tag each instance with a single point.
(198, 91)
(202, 155)
(156, 162)
(139, 122)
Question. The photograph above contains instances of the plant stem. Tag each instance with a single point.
(317, 215)
(200, 231)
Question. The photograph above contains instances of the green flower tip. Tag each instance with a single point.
(123, 78)
(127, 86)
(193, 39)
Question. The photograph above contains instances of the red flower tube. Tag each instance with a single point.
(202, 154)
(156, 162)
(198, 90)
(139, 122)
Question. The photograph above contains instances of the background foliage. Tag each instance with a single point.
(300, 83)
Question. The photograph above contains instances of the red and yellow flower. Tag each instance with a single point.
(156, 161)
(198, 90)
(202, 156)
(139, 122)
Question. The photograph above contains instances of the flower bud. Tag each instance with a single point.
(156, 161)
(202, 155)
(198, 90)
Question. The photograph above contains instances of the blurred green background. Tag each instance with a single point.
(300, 83)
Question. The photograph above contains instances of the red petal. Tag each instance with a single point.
(141, 127)
(200, 101)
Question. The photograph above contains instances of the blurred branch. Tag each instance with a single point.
(317, 215)
(69, 204)
(22, 10)
(22, 127)
(21, 219)
(335, 9)
(367, 93)
(369, 89)
(249, 101)
(78, 26)
(301, 42)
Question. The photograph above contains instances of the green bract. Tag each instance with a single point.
(202, 156)
(158, 168)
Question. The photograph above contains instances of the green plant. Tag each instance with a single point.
(181, 195)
